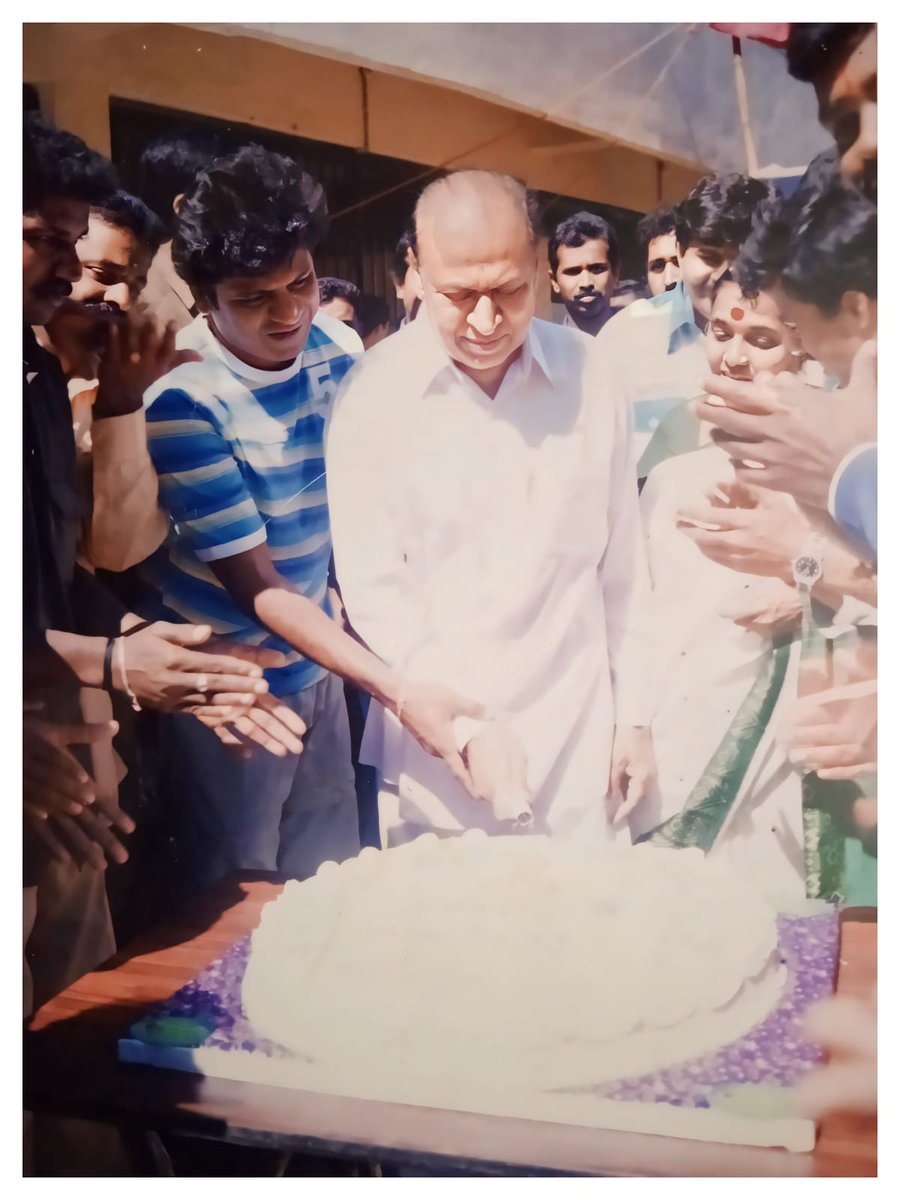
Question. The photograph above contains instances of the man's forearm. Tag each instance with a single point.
(308, 629)
(55, 658)
(126, 524)
(845, 574)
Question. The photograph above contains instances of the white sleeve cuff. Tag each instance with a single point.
(229, 549)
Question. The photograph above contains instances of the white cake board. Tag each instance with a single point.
(700, 1124)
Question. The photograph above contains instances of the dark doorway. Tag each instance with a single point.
(370, 196)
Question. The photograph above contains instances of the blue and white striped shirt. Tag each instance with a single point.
(240, 462)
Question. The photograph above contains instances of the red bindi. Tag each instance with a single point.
(737, 314)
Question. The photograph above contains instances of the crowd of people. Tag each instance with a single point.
(317, 583)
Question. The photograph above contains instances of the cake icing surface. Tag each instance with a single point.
(517, 962)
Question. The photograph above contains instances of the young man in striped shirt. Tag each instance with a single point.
(237, 442)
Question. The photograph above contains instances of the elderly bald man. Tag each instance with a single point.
(486, 534)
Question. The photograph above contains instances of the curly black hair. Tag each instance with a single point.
(655, 224)
(124, 211)
(248, 214)
(575, 231)
(57, 163)
(330, 287)
(721, 210)
(815, 53)
(818, 243)
(170, 165)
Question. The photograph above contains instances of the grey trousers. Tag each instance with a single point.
(264, 813)
(67, 930)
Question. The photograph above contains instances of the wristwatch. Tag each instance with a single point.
(809, 564)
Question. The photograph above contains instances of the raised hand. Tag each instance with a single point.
(87, 839)
(835, 732)
(267, 723)
(747, 529)
(763, 606)
(54, 782)
(164, 670)
(793, 436)
(61, 803)
(135, 356)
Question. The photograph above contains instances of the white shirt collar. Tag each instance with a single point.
(243, 370)
(434, 357)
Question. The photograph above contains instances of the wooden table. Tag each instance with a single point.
(71, 1069)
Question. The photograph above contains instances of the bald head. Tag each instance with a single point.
(477, 259)
(472, 205)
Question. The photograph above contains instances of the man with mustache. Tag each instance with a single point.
(76, 635)
(124, 524)
(659, 247)
(584, 270)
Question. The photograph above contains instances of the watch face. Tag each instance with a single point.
(807, 569)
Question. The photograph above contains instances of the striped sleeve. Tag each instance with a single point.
(200, 482)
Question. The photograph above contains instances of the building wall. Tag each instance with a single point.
(78, 67)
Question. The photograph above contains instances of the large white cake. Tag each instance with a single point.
(495, 965)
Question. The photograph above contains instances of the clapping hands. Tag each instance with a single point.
(61, 803)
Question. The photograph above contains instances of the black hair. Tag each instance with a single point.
(818, 243)
(655, 224)
(815, 53)
(720, 210)
(575, 231)
(124, 211)
(371, 311)
(57, 163)
(169, 167)
(400, 262)
(248, 214)
(331, 288)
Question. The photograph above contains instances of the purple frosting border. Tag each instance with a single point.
(773, 1054)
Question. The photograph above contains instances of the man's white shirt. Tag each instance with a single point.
(494, 546)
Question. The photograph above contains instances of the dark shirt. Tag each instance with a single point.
(51, 506)
(57, 594)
